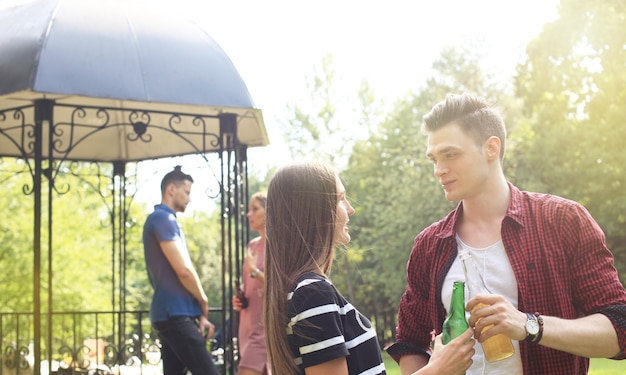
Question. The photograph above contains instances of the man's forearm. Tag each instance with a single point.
(592, 336)
(191, 282)
(187, 275)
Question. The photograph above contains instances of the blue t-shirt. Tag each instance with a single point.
(170, 296)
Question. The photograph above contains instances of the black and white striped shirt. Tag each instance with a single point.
(324, 326)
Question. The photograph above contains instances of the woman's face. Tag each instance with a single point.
(256, 215)
(344, 211)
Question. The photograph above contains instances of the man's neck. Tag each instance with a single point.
(483, 214)
(492, 201)
(170, 206)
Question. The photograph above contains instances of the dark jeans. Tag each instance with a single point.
(183, 347)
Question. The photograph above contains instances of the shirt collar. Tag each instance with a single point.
(165, 207)
(516, 205)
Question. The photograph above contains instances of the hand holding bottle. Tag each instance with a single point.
(239, 301)
(485, 313)
(495, 311)
(455, 323)
(452, 358)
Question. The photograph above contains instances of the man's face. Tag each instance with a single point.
(181, 196)
(460, 165)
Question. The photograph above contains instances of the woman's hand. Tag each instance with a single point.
(237, 306)
(452, 358)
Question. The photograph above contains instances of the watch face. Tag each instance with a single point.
(532, 327)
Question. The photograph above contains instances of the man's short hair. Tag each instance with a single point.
(473, 114)
(175, 177)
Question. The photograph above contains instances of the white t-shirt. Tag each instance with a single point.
(495, 268)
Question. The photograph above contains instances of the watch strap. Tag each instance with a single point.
(540, 334)
(530, 337)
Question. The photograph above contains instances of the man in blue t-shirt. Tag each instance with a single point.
(179, 311)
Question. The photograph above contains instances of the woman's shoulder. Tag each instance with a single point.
(311, 278)
(255, 243)
(313, 290)
(311, 283)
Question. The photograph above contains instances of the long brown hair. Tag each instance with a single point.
(300, 222)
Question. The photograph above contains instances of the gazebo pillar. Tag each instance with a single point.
(43, 117)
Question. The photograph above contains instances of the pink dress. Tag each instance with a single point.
(251, 338)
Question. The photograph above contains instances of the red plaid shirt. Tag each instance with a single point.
(561, 263)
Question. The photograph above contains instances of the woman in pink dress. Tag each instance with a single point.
(252, 351)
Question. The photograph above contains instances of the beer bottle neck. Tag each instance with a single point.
(457, 305)
(473, 278)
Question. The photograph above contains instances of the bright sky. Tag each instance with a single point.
(274, 44)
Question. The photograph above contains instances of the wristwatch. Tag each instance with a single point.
(532, 328)
(254, 273)
(540, 334)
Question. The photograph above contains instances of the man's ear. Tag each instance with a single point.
(492, 147)
(169, 190)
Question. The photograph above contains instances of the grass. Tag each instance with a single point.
(598, 366)
(601, 366)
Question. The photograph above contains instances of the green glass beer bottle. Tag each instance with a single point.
(455, 323)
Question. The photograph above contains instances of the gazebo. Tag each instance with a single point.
(115, 82)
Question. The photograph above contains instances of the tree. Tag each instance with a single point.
(319, 128)
(573, 85)
(202, 234)
(78, 266)
(80, 234)
(16, 258)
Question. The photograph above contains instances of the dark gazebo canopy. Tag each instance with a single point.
(120, 81)
(121, 55)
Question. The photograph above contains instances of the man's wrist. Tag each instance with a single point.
(204, 307)
(531, 327)
(540, 334)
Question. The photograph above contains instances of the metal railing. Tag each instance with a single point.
(94, 343)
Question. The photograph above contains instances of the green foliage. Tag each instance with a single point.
(86, 240)
(16, 256)
(85, 250)
(79, 265)
(73, 233)
(138, 289)
(574, 87)
(317, 128)
(202, 233)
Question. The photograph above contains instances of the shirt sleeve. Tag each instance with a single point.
(315, 329)
(596, 282)
(413, 332)
(166, 228)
